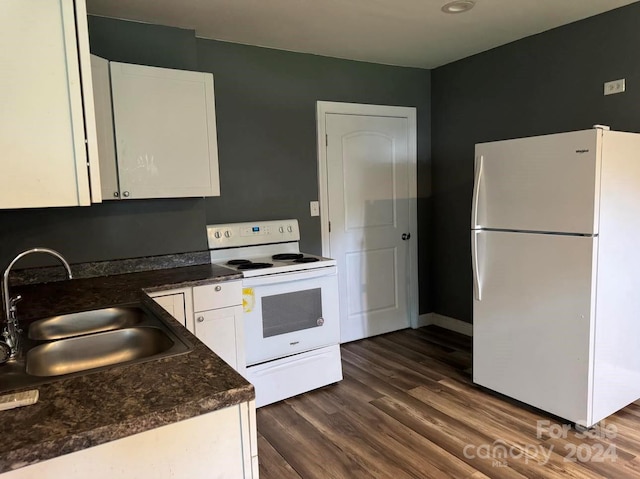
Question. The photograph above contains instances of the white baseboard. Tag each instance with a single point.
(445, 322)
(424, 320)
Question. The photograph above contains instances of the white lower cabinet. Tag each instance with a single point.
(213, 313)
(219, 444)
(218, 329)
(178, 303)
(218, 321)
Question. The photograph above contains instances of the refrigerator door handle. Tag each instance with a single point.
(477, 287)
(476, 191)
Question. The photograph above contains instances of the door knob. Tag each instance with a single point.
(406, 236)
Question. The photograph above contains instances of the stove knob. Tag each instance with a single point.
(281, 229)
(217, 234)
(320, 321)
(227, 234)
(289, 229)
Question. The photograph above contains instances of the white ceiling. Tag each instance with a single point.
(396, 32)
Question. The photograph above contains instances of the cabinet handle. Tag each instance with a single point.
(200, 319)
(218, 288)
(125, 194)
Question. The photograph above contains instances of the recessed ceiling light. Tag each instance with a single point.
(458, 6)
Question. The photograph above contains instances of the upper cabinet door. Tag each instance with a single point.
(165, 130)
(547, 183)
(104, 127)
(42, 119)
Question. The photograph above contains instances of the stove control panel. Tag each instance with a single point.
(255, 230)
(248, 234)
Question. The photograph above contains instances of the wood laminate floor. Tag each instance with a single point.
(407, 408)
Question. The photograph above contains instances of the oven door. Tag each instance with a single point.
(287, 313)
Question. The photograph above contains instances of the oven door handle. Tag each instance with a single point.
(288, 277)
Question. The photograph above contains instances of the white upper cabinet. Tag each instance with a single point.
(104, 127)
(165, 132)
(47, 130)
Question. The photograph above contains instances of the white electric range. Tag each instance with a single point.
(290, 303)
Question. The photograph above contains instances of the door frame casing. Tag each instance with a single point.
(329, 107)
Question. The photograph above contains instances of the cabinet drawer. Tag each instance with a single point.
(287, 377)
(219, 295)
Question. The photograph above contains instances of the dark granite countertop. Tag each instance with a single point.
(79, 412)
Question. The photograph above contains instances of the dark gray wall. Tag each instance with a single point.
(266, 113)
(265, 108)
(548, 83)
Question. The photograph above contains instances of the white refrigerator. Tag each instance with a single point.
(555, 245)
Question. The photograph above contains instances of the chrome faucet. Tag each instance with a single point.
(11, 331)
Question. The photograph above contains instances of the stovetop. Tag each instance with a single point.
(267, 265)
(257, 249)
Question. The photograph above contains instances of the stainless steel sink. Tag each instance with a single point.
(96, 350)
(85, 322)
(75, 344)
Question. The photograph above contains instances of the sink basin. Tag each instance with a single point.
(75, 344)
(85, 322)
(68, 356)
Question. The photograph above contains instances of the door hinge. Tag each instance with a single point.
(329, 226)
(326, 140)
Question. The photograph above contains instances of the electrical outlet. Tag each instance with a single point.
(314, 207)
(615, 86)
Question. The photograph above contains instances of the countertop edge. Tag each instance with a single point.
(47, 449)
(192, 283)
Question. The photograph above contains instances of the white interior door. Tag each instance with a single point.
(532, 326)
(370, 206)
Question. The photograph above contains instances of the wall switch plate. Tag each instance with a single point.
(615, 86)
(314, 207)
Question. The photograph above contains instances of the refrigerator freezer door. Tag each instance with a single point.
(533, 328)
(547, 183)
